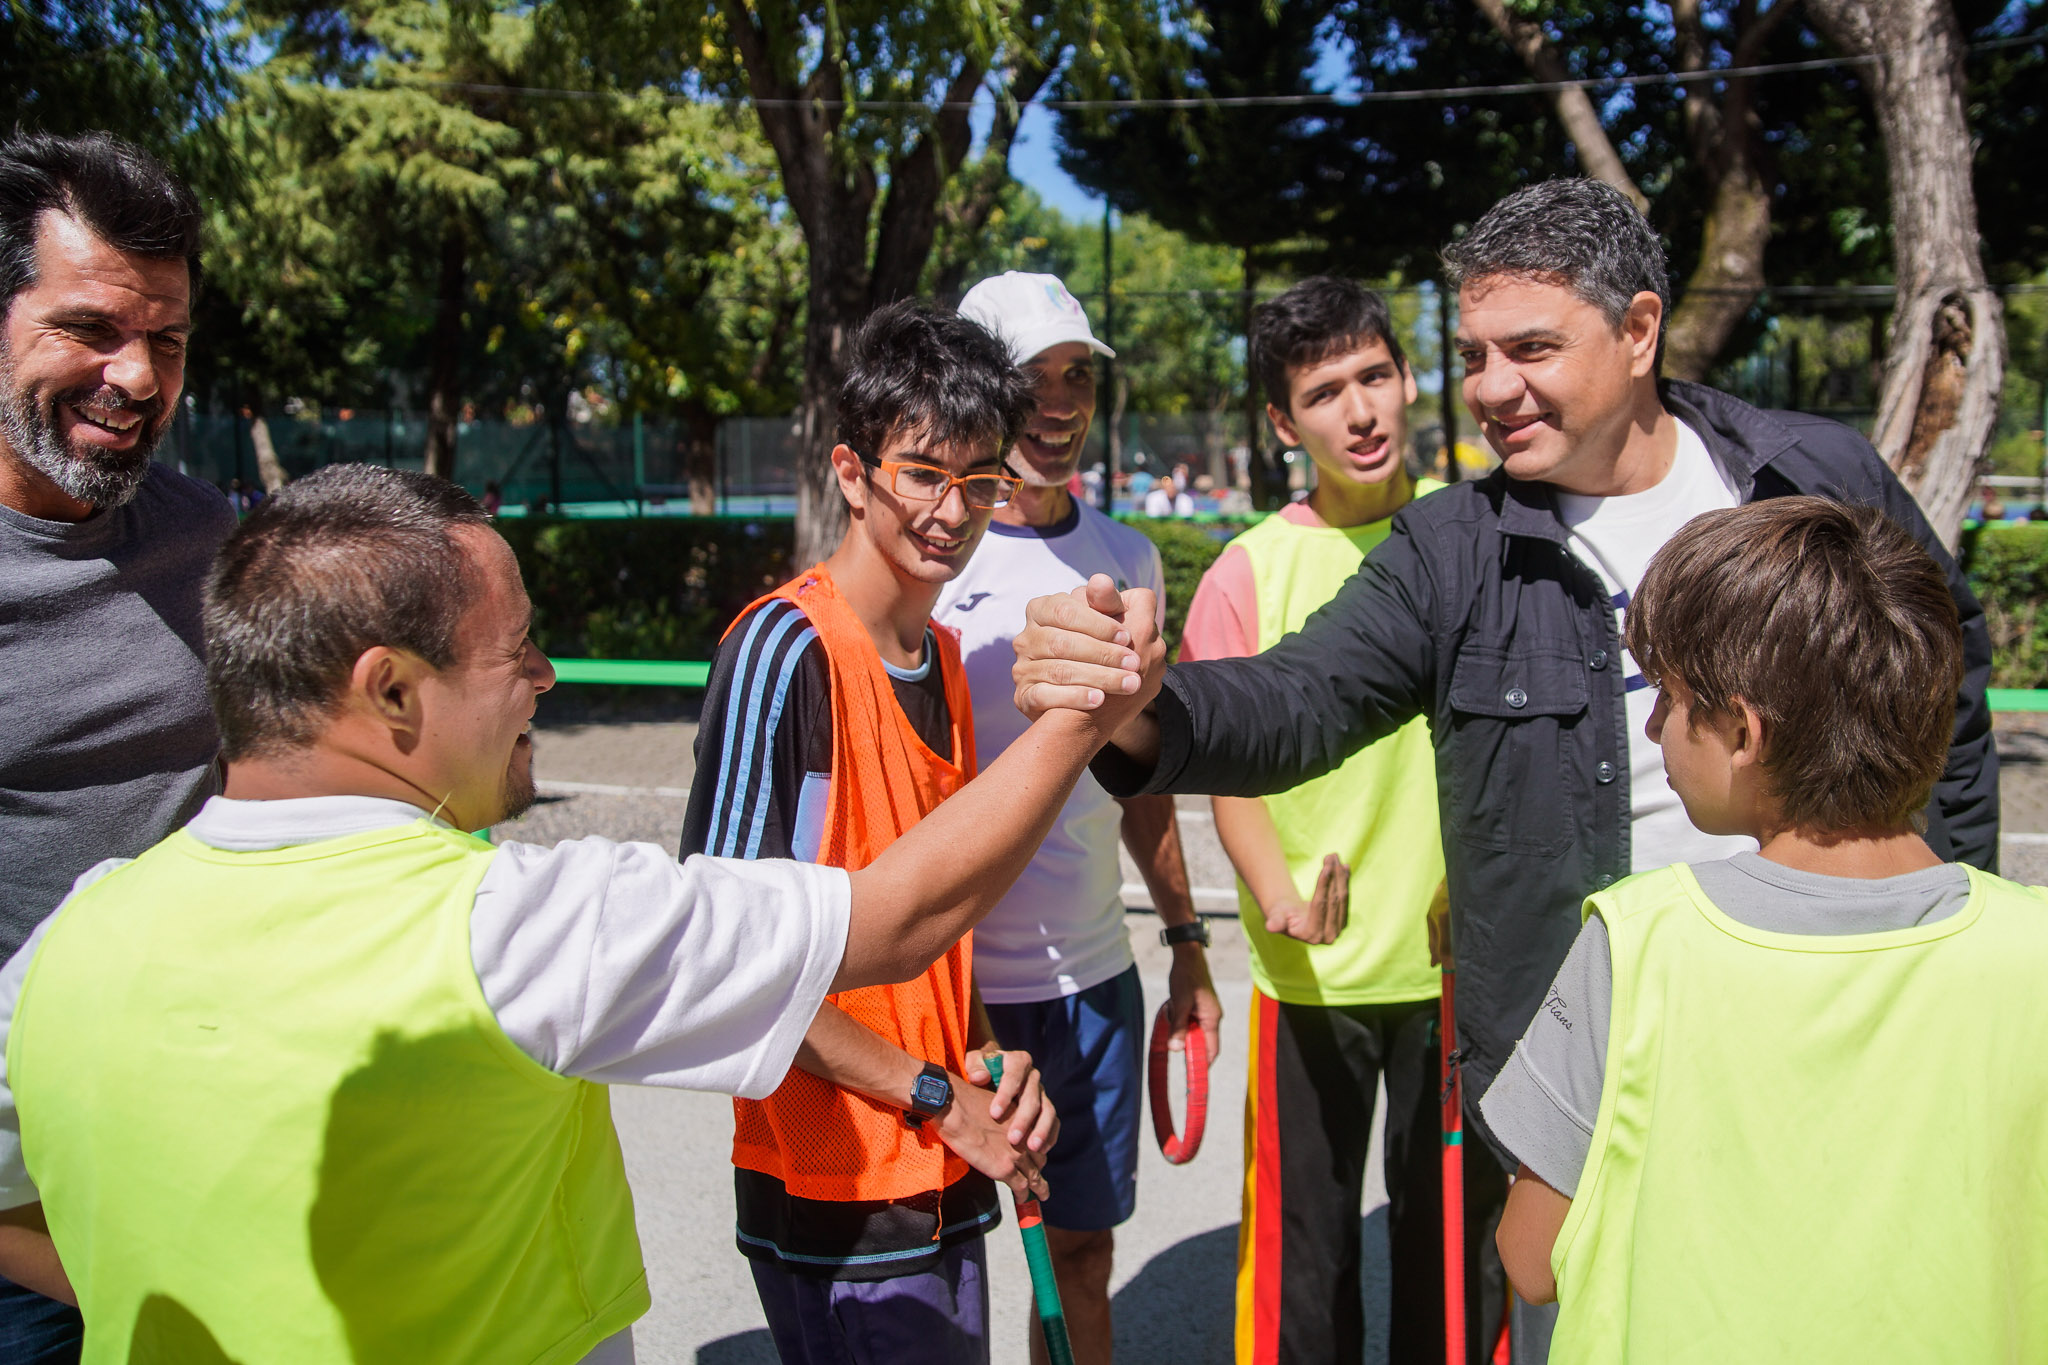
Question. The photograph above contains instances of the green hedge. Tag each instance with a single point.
(666, 587)
(652, 588)
(2007, 565)
(1186, 550)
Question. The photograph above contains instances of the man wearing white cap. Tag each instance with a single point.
(1053, 960)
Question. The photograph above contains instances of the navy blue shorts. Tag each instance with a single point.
(1090, 1051)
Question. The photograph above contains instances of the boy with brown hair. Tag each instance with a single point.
(1712, 1020)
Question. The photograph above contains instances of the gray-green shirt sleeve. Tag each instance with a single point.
(1544, 1102)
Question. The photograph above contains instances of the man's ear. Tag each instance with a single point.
(1283, 426)
(1409, 393)
(1642, 324)
(384, 687)
(853, 484)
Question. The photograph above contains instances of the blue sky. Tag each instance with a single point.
(1034, 160)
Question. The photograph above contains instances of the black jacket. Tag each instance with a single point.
(1475, 614)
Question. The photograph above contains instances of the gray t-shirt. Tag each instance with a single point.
(106, 741)
(1543, 1104)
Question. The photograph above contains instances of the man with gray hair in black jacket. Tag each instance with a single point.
(1493, 608)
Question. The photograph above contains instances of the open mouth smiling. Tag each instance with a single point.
(116, 421)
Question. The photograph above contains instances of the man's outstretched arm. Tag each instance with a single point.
(1359, 668)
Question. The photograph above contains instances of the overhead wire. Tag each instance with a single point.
(1325, 99)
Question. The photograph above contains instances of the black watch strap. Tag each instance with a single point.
(1197, 932)
(930, 1093)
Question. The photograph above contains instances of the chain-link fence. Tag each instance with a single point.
(644, 467)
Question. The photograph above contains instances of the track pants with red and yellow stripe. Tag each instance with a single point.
(1308, 1121)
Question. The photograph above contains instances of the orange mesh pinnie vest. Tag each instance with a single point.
(823, 1142)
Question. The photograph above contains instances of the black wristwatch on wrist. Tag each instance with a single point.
(930, 1093)
(1198, 932)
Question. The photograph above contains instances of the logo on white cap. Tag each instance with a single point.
(1030, 313)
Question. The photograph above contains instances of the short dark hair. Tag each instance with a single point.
(1584, 234)
(1321, 317)
(1836, 626)
(127, 197)
(917, 369)
(347, 558)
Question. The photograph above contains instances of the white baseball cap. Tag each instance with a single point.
(1029, 313)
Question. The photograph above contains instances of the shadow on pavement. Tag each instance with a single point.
(1181, 1309)
(741, 1348)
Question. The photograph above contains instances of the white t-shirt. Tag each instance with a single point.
(1061, 928)
(1616, 538)
(604, 961)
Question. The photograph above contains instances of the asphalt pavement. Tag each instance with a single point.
(623, 770)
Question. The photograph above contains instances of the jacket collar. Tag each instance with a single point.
(1744, 439)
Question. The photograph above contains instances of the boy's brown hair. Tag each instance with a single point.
(1836, 626)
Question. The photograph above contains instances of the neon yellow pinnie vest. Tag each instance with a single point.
(273, 1119)
(1378, 810)
(1814, 1148)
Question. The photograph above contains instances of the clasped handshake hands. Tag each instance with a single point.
(1094, 650)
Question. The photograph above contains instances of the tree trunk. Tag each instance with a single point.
(832, 188)
(1262, 463)
(1526, 39)
(838, 301)
(1728, 147)
(269, 472)
(1945, 364)
(1447, 393)
(700, 457)
(1725, 146)
(1730, 273)
(444, 374)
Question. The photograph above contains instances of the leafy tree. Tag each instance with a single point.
(1255, 179)
(403, 123)
(150, 71)
(866, 105)
(666, 266)
(422, 201)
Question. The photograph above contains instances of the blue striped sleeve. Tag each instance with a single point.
(750, 748)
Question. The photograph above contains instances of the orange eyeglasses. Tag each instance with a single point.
(929, 483)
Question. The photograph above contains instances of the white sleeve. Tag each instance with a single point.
(16, 1188)
(613, 962)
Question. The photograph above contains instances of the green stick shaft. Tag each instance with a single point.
(1045, 1290)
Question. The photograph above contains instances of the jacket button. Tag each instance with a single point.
(1516, 698)
(1605, 880)
(1598, 661)
(1604, 773)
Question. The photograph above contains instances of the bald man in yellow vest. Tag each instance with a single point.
(321, 1078)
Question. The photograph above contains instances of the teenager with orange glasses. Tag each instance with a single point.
(836, 718)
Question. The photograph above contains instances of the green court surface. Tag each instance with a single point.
(633, 672)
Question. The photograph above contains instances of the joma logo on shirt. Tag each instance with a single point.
(971, 601)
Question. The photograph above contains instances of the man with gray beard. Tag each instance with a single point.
(106, 741)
